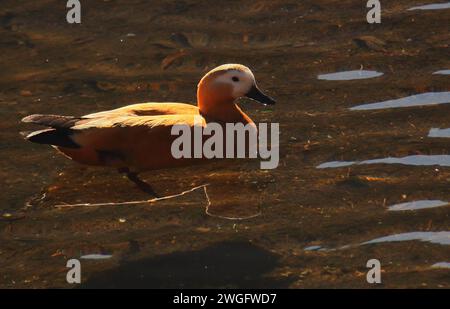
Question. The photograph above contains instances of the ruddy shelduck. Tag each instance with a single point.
(137, 137)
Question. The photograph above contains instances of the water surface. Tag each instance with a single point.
(128, 52)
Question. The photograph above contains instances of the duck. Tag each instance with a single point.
(137, 138)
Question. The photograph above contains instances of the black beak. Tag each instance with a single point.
(257, 95)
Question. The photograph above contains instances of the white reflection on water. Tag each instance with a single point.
(95, 256)
(439, 133)
(428, 98)
(434, 6)
(334, 164)
(415, 205)
(441, 238)
(416, 160)
(312, 248)
(442, 72)
(350, 75)
(441, 265)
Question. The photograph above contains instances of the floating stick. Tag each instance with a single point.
(207, 212)
(156, 199)
(225, 217)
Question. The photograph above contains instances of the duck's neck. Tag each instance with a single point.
(215, 107)
(226, 113)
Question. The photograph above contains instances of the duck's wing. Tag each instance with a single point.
(63, 129)
(149, 109)
(144, 122)
(138, 142)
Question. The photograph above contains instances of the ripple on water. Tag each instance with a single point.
(441, 265)
(312, 248)
(435, 132)
(96, 256)
(441, 238)
(335, 164)
(415, 205)
(442, 72)
(416, 160)
(429, 98)
(433, 6)
(350, 75)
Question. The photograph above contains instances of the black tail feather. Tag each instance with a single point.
(53, 121)
(56, 137)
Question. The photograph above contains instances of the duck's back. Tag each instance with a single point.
(149, 109)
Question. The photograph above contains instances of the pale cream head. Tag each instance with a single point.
(237, 79)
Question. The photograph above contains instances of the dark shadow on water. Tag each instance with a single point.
(223, 265)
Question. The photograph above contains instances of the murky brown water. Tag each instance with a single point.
(135, 51)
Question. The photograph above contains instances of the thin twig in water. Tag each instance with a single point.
(35, 200)
(130, 202)
(208, 204)
(225, 217)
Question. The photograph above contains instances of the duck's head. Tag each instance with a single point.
(227, 83)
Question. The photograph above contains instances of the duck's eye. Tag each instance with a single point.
(235, 79)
